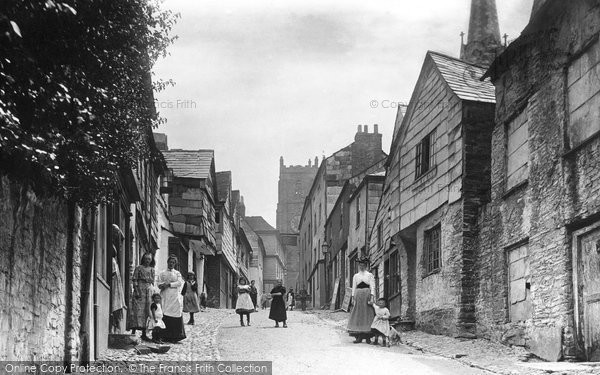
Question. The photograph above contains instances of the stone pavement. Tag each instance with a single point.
(200, 344)
(479, 353)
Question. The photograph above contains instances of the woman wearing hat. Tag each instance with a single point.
(363, 295)
(190, 296)
(170, 282)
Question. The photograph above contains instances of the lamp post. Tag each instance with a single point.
(325, 250)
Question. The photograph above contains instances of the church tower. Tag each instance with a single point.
(294, 184)
(483, 43)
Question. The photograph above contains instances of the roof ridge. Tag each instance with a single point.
(456, 59)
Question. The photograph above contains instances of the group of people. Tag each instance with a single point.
(369, 318)
(246, 302)
(156, 305)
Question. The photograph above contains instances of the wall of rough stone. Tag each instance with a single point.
(33, 277)
(559, 196)
(438, 294)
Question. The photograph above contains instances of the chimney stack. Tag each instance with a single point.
(366, 128)
(309, 162)
(359, 129)
(376, 129)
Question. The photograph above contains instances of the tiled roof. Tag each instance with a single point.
(258, 224)
(464, 78)
(223, 185)
(250, 234)
(190, 164)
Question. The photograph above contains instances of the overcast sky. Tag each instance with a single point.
(256, 80)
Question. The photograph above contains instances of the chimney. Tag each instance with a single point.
(359, 129)
(483, 43)
(376, 129)
(160, 140)
(242, 207)
(316, 162)
(366, 128)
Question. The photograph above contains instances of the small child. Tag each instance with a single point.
(381, 324)
(155, 322)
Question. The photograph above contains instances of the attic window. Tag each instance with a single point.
(424, 155)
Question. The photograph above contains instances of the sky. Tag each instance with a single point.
(257, 79)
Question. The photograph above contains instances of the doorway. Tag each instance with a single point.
(586, 279)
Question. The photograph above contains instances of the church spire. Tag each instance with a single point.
(483, 42)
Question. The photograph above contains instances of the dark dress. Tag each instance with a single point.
(253, 295)
(277, 312)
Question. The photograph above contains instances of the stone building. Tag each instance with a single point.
(540, 236)
(294, 184)
(383, 250)
(438, 165)
(331, 176)
(274, 259)
(362, 211)
(192, 203)
(257, 261)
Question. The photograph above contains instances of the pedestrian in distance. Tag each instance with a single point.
(264, 298)
(244, 305)
(170, 282)
(155, 322)
(381, 323)
(291, 300)
(141, 298)
(277, 312)
(253, 294)
(203, 297)
(189, 292)
(363, 295)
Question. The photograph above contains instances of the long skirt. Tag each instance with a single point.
(244, 304)
(277, 312)
(174, 330)
(190, 301)
(139, 307)
(362, 314)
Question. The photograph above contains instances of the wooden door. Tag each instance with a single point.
(588, 244)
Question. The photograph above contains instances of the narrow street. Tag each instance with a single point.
(312, 346)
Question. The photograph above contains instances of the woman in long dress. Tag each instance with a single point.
(191, 304)
(363, 296)
(170, 282)
(277, 312)
(244, 305)
(141, 299)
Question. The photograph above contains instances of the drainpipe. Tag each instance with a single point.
(88, 278)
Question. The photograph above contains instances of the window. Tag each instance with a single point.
(379, 236)
(517, 151)
(584, 96)
(394, 274)
(424, 155)
(320, 216)
(217, 217)
(432, 249)
(519, 284)
(357, 211)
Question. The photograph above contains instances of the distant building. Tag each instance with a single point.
(274, 260)
(294, 184)
(345, 163)
(257, 262)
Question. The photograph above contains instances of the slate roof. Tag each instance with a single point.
(190, 164)
(464, 78)
(252, 237)
(223, 185)
(258, 224)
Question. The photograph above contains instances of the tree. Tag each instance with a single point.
(76, 92)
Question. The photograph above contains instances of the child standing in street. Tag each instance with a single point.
(381, 324)
(155, 322)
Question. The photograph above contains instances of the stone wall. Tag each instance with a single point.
(560, 194)
(38, 296)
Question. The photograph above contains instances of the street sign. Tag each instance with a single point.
(336, 287)
(347, 298)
